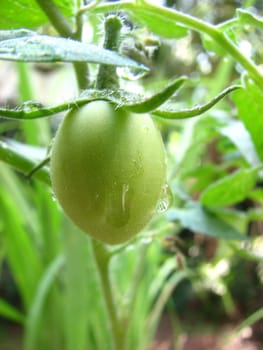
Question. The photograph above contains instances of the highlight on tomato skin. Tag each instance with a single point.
(108, 170)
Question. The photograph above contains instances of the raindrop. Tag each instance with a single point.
(129, 73)
(30, 106)
(53, 197)
(118, 205)
(165, 199)
(3, 145)
(125, 189)
(146, 240)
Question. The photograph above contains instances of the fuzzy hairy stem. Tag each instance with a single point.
(107, 77)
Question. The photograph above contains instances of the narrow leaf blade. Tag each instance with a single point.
(196, 110)
(44, 48)
(10, 312)
(158, 99)
(37, 304)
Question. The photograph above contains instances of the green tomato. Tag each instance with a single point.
(108, 170)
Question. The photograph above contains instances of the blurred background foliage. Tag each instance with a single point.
(180, 263)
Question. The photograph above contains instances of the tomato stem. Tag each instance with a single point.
(59, 22)
(107, 76)
(102, 258)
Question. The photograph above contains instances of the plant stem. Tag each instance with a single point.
(102, 258)
(82, 74)
(107, 76)
(81, 68)
(65, 29)
(57, 19)
(191, 22)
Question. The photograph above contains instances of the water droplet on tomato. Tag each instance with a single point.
(118, 204)
(165, 199)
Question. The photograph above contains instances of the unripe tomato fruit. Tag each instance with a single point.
(108, 170)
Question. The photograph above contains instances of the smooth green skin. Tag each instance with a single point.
(108, 170)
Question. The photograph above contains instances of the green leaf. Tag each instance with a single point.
(245, 253)
(121, 98)
(16, 33)
(167, 289)
(10, 312)
(197, 219)
(44, 48)
(251, 320)
(38, 302)
(157, 99)
(22, 256)
(231, 189)
(23, 158)
(211, 45)
(246, 17)
(238, 134)
(133, 102)
(250, 111)
(77, 294)
(159, 25)
(34, 110)
(27, 14)
(196, 110)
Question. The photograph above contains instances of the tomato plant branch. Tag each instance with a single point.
(57, 19)
(191, 22)
(88, 7)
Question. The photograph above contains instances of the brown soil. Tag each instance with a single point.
(223, 339)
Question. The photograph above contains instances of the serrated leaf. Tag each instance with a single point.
(159, 25)
(250, 111)
(199, 220)
(231, 189)
(44, 48)
(27, 14)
